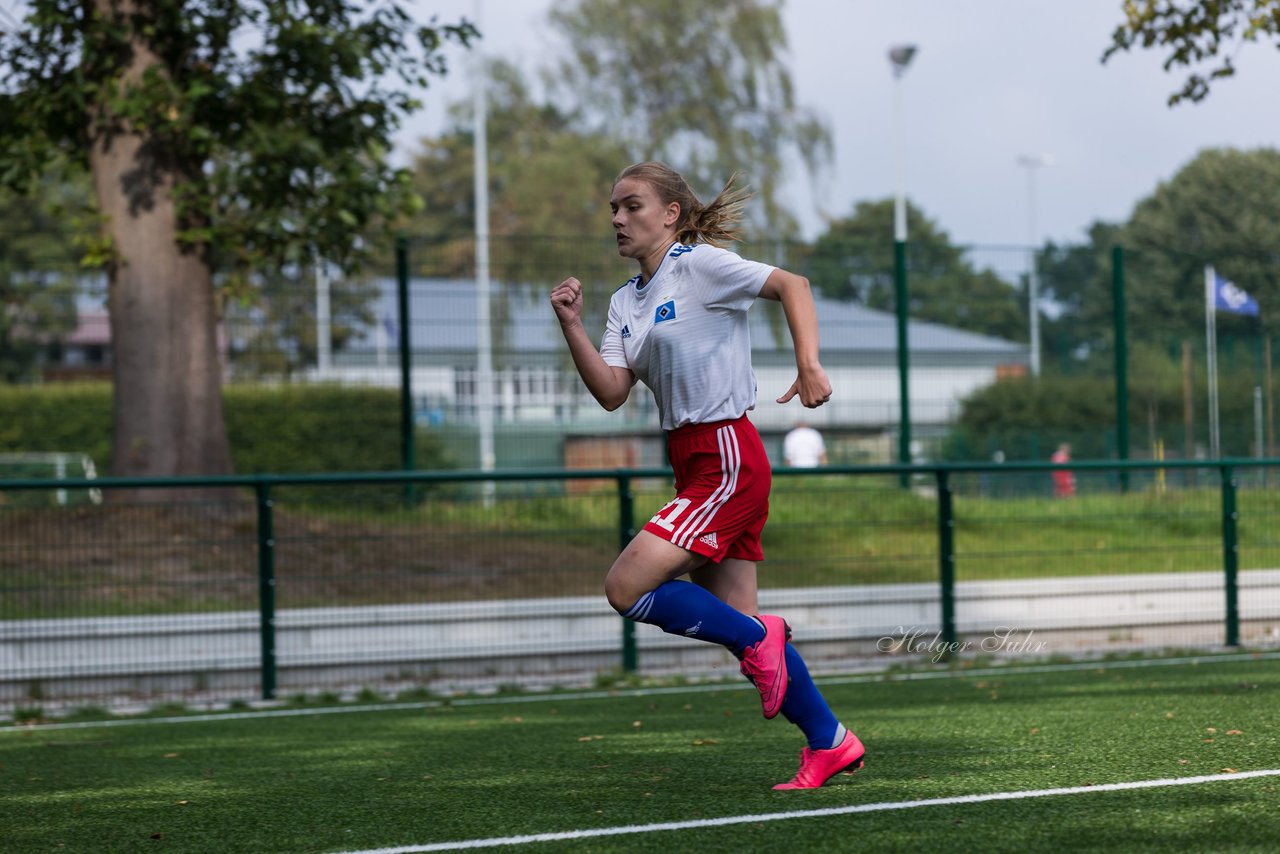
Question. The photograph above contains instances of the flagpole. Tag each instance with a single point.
(1211, 348)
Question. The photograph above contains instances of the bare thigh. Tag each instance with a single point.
(647, 562)
(733, 581)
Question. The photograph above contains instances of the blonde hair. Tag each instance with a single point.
(715, 223)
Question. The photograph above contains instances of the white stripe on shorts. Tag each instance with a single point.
(730, 464)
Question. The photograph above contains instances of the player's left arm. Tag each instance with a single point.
(793, 292)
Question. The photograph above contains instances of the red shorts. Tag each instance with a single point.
(722, 490)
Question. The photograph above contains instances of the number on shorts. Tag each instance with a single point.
(667, 520)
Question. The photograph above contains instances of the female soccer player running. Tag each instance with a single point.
(680, 326)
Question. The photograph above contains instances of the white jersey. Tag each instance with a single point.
(684, 333)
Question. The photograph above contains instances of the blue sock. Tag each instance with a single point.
(684, 608)
(805, 706)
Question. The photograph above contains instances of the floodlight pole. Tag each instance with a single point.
(1032, 163)
(899, 58)
(484, 331)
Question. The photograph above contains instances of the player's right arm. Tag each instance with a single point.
(609, 385)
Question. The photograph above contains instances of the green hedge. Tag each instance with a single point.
(285, 430)
(57, 417)
(1026, 418)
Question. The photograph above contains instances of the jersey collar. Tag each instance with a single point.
(642, 287)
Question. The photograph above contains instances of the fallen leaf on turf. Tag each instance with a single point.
(1229, 771)
(1184, 761)
(182, 803)
(1212, 729)
(637, 723)
(1168, 716)
(698, 742)
(1235, 732)
(1035, 730)
(171, 756)
(157, 836)
(591, 738)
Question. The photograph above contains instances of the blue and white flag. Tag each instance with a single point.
(1228, 297)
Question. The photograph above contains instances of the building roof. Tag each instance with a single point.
(443, 316)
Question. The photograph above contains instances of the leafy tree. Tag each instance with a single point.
(548, 181)
(221, 135)
(38, 270)
(549, 185)
(1196, 35)
(276, 334)
(702, 86)
(1222, 208)
(853, 260)
(1076, 279)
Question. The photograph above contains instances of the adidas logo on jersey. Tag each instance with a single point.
(678, 250)
(626, 331)
(709, 539)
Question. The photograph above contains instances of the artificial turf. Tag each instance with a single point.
(494, 768)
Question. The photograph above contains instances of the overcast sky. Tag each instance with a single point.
(993, 79)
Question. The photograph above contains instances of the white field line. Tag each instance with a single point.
(570, 835)
(566, 696)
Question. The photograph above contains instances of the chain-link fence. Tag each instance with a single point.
(969, 352)
(308, 585)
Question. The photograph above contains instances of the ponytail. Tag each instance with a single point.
(715, 223)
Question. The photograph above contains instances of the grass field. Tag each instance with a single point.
(328, 780)
(823, 530)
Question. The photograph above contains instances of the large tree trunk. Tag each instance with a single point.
(167, 400)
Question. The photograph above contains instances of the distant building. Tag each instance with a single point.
(536, 388)
(83, 353)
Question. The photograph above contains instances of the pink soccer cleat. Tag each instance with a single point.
(765, 664)
(819, 766)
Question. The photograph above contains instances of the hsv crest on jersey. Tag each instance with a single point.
(666, 311)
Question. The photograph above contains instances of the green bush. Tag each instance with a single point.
(57, 417)
(1026, 418)
(282, 430)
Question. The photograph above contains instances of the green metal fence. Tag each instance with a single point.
(281, 585)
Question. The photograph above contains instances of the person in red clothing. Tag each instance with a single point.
(1064, 480)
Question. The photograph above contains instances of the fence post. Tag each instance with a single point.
(266, 588)
(405, 341)
(1231, 554)
(947, 558)
(904, 355)
(626, 531)
(1122, 361)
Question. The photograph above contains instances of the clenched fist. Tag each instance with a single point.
(566, 299)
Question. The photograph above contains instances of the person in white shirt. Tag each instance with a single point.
(803, 447)
(680, 327)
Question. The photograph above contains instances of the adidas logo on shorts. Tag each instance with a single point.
(709, 539)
